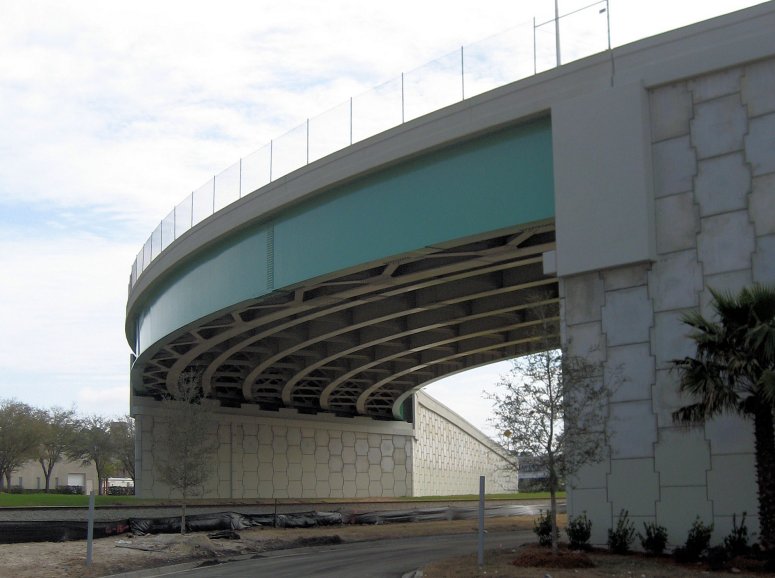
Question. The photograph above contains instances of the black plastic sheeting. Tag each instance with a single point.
(441, 513)
(11, 532)
(15, 532)
(233, 521)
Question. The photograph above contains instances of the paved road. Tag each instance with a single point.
(380, 559)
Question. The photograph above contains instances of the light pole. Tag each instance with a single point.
(557, 31)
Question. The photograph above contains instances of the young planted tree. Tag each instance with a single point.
(554, 409)
(734, 371)
(183, 452)
(59, 429)
(21, 428)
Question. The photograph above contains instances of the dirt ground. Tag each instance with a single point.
(500, 563)
(125, 553)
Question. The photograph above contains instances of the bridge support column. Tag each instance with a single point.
(710, 174)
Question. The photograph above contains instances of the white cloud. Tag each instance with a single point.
(62, 302)
(110, 401)
(464, 393)
(113, 112)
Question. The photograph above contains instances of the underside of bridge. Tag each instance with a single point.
(362, 341)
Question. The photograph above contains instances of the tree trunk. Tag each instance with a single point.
(553, 504)
(183, 517)
(46, 473)
(764, 441)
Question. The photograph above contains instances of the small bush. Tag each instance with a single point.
(655, 540)
(121, 490)
(68, 490)
(620, 538)
(697, 542)
(717, 558)
(542, 526)
(579, 531)
(736, 542)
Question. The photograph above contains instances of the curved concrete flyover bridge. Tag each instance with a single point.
(598, 201)
(353, 298)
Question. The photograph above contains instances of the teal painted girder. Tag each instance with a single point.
(490, 183)
(484, 184)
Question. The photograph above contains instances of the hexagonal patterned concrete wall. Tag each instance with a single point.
(287, 455)
(450, 455)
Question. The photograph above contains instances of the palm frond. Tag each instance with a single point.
(734, 367)
(690, 414)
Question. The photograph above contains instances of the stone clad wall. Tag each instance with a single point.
(450, 455)
(713, 158)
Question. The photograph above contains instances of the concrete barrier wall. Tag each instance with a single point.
(288, 455)
(450, 454)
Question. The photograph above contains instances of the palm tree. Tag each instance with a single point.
(734, 371)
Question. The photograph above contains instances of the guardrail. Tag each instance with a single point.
(511, 55)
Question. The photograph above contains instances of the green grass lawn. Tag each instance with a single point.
(31, 500)
(518, 496)
(28, 500)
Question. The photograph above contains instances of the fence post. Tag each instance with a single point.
(481, 521)
(90, 529)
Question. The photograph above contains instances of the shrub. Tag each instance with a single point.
(579, 531)
(68, 490)
(717, 557)
(620, 538)
(697, 542)
(736, 542)
(655, 540)
(121, 490)
(542, 526)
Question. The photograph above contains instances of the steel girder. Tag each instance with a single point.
(361, 341)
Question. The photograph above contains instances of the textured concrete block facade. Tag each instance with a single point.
(266, 455)
(288, 455)
(450, 455)
(713, 159)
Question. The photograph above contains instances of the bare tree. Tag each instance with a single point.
(553, 409)
(58, 435)
(183, 453)
(21, 428)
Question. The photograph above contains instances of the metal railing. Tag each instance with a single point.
(511, 55)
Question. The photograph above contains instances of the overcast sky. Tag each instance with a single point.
(112, 112)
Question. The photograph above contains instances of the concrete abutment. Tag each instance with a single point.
(712, 192)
